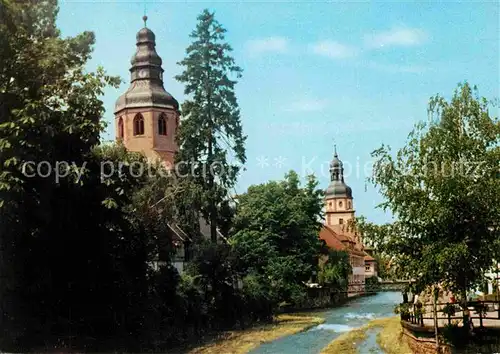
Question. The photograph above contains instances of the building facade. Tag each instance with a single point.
(146, 115)
(146, 121)
(339, 231)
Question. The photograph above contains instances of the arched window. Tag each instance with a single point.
(162, 124)
(349, 206)
(120, 128)
(340, 204)
(139, 124)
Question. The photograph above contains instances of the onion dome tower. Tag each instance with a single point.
(338, 195)
(146, 115)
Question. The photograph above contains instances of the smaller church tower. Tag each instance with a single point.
(338, 196)
(146, 115)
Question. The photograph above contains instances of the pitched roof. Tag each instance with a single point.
(338, 240)
(331, 239)
(369, 258)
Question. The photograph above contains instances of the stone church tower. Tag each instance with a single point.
(338, 196)
(147, 116)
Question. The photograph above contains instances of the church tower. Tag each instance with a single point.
(147, 116)
(338, 196)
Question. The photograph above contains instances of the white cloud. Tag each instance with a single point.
(270, 44)
(333, 49)
(307, 105)
(400, 36)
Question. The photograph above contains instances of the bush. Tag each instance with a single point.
(372, 284)
(454, 335)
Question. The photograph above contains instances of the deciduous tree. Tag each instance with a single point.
(444, 190)
(276, 231)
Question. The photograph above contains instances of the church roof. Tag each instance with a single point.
(337, 186)
(146, 86)
(338, 189)
(339, 240)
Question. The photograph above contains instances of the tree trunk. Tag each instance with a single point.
(213, 206)
(465, 310)
(434, 308)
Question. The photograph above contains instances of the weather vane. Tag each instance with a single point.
(145, 17)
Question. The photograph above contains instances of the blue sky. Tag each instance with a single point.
(355, 73)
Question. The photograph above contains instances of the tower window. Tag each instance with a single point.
(139, 124)
(162, 125)
(120, 128)
(349, 206)
(340, 204)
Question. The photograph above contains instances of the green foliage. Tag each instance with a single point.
(403, 310)
(335, 271)
(210, 137)
(377, 236)
(457, 336)
(372, 284)
(275, 234)
(449, 309)
(443, 187)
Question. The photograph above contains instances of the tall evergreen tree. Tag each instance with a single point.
(210, 138)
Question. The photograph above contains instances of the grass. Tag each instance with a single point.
(389, 338)
(346, 343)
(240, 342)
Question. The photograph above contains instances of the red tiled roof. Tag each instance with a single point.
(331, 239)
(336, 238)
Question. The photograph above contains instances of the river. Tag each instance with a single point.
(352, 315)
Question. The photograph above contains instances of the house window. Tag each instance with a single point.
(341, 221)
(139, 124)
(367, 268)
(120, 128)
(162, 125)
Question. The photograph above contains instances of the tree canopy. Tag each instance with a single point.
(444, 191)
(276, 231)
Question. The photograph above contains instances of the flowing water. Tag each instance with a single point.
(354, 314)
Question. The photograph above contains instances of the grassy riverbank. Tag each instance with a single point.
(240, 342)
(389, 338)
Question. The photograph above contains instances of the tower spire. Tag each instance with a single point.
(335, 150)
(145, 16)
